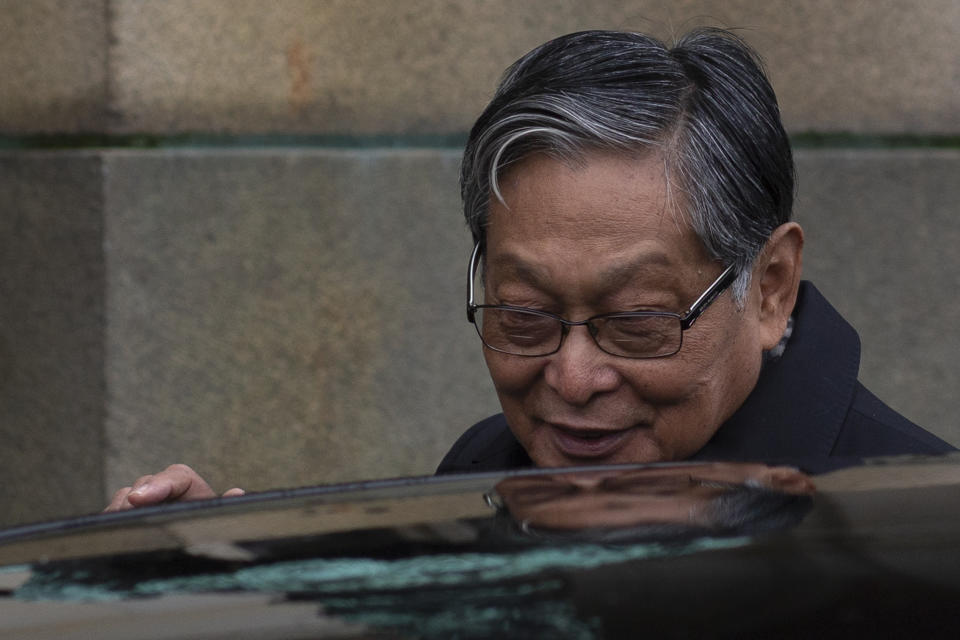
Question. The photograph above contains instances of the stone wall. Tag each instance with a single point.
(231, 231)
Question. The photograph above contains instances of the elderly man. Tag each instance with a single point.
(640, 275)
(645, 194)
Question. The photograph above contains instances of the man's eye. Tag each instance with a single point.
(640, 332)
(523, 319)
(526, 326)
(519, 327)
(642, 327)
(631, 326)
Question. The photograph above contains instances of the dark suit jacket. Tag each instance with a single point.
(808, 410)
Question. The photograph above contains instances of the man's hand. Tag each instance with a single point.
(175, 483)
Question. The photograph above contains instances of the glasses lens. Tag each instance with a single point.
(522, 333)
(639, 336)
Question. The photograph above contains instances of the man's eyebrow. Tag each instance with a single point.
(620, 274)
(515, 267)
(611, 277)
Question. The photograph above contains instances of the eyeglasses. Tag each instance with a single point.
(520, 331)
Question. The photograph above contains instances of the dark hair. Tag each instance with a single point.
(704, 105)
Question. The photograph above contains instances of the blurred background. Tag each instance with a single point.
(230, 230)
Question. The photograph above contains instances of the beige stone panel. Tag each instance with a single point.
(53, 66)
(305, 66)
(882, 232)
(52, 392)
(888, 66)
(428, 66)
(287, 317)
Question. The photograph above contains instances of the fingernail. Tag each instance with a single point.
(142, 489)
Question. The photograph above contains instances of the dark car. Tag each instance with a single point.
(669, 550)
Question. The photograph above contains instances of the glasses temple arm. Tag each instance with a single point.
(700, 305)
(471, 274)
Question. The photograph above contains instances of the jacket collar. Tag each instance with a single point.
(797, 409)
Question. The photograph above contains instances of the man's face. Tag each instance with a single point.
(600, 237)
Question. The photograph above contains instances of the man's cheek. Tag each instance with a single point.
(666, 383)
(513, 375)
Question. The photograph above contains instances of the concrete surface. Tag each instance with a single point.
(53, 66)
(281, 318)
(428, 66)
(304, 330)
(289, 316)
(364, 66)
(52, 291)
(882, 237)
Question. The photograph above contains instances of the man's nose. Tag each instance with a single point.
(580, 369)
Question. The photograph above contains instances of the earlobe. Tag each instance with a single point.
(778, 277)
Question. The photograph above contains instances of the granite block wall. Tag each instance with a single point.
(285, 317)
(231, 231)
(52, 296)
(882, 228)
(54, 75)
(427, 66)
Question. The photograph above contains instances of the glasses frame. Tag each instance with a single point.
(687, 318)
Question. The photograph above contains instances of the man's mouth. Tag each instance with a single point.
(588, 443)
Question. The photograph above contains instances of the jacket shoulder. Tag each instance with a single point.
(486, 446)
(871, 428)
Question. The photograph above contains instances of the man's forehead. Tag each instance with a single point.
(607, 203)
(631, 179)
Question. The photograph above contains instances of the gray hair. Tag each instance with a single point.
(704, 105)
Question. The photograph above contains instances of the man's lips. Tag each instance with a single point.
(587, 442)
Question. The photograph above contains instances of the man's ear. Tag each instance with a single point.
(777, 277)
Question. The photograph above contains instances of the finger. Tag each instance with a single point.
(234, 493)
(119, 501)
(142, 480)
(153, 491)
(186, 484)
(176, 482)
(147, 490)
